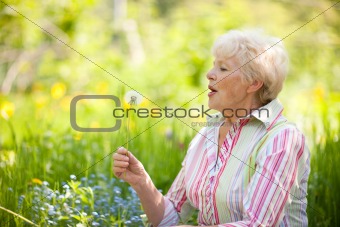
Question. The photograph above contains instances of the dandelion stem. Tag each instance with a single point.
(131, 103)
(132, 98)
(127, 133)
(18, 215)
(128, 130)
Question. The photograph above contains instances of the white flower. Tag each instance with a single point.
(133, 97)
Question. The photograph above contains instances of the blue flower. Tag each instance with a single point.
(113, 200)
(95, 224)
(51, 212)
(66, 186)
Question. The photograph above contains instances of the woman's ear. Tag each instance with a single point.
(254, 86)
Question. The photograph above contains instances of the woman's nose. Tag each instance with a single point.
(211, 75)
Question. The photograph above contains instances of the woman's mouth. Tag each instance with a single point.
(212, 91)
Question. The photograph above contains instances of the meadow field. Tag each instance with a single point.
(51, 52)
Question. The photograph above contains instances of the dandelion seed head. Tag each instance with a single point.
(133, 97)
(169, 134)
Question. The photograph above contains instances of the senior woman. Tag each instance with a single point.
(249, 166)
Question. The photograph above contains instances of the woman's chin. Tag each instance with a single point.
(212, 107)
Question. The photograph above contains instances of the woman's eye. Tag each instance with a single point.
(223, 69)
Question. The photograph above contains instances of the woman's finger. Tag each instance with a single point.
(117, 170)
(122, 150)
(118, 163)
(120, 157)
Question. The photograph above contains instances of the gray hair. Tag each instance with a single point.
(261, 57)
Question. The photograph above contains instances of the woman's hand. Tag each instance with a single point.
(127, 167)
(185, 226)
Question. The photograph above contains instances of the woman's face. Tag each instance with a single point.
(226, 88)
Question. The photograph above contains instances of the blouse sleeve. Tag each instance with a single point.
(277, 169)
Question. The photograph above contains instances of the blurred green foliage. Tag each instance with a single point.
(51, 51)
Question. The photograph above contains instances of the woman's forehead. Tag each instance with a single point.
(230, 61)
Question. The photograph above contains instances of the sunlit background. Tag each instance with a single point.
(52, 51)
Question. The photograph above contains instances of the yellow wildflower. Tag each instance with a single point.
(77, 136)
(94, 124)
(40, 102)
(58, 90)
(102, 88)
(7, 158)
(7, 109)
(37, 181)
(319, 92)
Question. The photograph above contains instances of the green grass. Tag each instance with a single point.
(53, 157)
(324, 184)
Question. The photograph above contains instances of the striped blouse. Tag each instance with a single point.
(259, 177)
